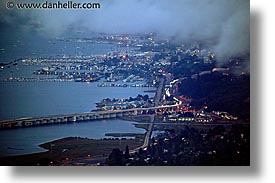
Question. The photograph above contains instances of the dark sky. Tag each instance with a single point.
(226, 21)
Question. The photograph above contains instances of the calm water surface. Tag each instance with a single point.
(26, 140)
(30, 99)
(27, 99)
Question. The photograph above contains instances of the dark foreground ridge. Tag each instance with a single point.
(220, 146)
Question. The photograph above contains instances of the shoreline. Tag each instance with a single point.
(57, 153)
(72, 150)
(68, 149)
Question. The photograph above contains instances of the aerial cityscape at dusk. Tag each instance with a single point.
(125, 83)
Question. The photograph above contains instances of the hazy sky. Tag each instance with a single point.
(225, 21)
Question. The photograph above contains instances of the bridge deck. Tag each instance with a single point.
(79, 116)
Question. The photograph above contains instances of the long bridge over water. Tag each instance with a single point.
(78, 117)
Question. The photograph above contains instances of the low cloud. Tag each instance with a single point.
(225, 21)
